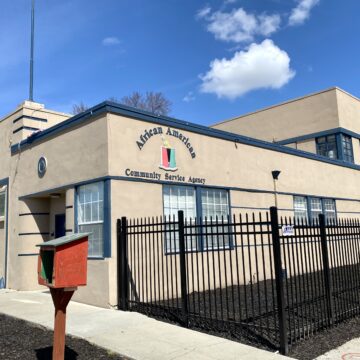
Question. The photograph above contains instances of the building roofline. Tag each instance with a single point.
(119, 109)
(26, 105)
(284, 103)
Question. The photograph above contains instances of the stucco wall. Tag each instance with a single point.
(297, 117)
(224, 163)
(349, 111)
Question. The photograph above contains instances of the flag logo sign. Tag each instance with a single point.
(168, 160)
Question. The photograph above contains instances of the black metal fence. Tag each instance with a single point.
(257, 277)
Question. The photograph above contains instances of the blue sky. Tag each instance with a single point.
(213, 59)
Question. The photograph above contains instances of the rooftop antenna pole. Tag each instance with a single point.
(31, 96)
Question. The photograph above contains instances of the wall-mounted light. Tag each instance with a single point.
(275, 175)
(55, 195)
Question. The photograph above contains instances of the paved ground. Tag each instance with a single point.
(348, 351)
(130, 334)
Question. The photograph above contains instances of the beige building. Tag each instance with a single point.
(61, 174)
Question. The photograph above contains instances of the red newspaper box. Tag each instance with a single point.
(62, 262)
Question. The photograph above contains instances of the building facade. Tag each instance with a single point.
(62, 174)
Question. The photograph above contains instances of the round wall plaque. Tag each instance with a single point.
(42, 166)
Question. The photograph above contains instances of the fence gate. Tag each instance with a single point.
(241, 275)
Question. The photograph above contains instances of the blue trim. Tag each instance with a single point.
(258, 208)
(30, 118)
(25, 128)
(107, 218)
(126, 111)
(319, 134)
(161, 182)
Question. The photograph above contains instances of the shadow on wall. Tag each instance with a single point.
(39, 210)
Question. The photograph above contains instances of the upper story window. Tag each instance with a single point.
(335, 146)
(347, 148)
(327, 146)
(90, 208)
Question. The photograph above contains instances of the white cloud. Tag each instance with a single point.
(301, 12)
(111, 40)
(238, 25)
(261, 65)
(204, 12)
(189, 97)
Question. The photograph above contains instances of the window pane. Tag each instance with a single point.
(329, 209)
(179, 198)
(347, 148)
(91, 215)
(215, 207)
(327, 146)
(316, 208)
(300, 208)
(95, 238)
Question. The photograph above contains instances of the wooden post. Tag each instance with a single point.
(61, 298)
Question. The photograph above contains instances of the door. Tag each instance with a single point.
(59, 225)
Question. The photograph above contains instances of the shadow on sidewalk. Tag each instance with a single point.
(46, 353)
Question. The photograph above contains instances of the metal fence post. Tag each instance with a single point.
(327, 275)
(183, 277)
(284, 348)
(122, 268)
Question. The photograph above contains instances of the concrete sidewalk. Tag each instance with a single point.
(130, 334)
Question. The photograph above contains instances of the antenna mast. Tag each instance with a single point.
(31, 95)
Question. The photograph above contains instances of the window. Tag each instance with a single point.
(90, 207)
(2, 202)
(215, 204)
(329, 209)
(315, 208)
(326, 146)
(309, 208)
(179, 198)
(335, 146)
(212, 203)
(347, 148)
(300, 208)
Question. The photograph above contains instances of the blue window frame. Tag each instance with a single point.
(200, 203)
(347, 148)
(327, 146)
(92, 214)
(335, 146)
